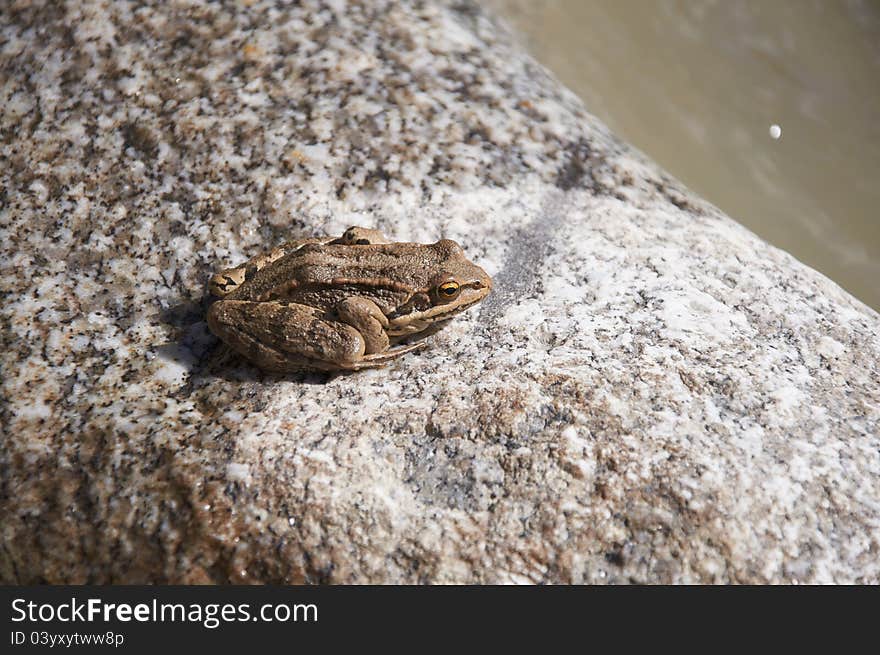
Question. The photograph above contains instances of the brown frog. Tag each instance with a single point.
(341, 303)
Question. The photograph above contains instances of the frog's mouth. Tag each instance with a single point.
(419, 320)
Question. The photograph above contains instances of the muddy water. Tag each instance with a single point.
(698, 86)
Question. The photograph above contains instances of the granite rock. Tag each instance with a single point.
(651, 394)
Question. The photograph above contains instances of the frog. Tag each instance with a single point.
(342, 303)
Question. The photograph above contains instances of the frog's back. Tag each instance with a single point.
(385, 269)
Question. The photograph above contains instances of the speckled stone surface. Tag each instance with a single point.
(651, 394)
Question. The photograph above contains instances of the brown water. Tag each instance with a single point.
(698, 85)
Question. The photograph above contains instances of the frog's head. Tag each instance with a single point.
(453, 283)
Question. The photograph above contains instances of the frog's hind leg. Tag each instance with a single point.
(286, 337)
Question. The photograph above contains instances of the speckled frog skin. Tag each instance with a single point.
(341, 303)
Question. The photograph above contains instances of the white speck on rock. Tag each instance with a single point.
(829, 348)
(239, 472)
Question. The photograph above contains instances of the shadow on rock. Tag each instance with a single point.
(206, 358)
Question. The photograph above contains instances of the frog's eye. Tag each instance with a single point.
(448, 290)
